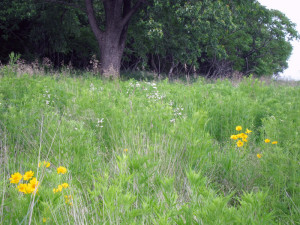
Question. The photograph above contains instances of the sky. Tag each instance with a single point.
(291, 9)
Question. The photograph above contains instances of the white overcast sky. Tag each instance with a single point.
(291, 8)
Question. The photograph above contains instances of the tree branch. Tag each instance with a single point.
(92, 19)
(131, 12)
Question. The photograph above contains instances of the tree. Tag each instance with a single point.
(174, 35)
(259, 44)
(37, 30)
(112, 31)
(14, 30)
(170, 36)
(214, 37)
(112, 39)
(109, 23)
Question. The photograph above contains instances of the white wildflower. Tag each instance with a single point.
(99, 122)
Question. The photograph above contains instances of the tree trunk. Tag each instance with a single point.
(111, 51)
(110, 60)
(112, 40)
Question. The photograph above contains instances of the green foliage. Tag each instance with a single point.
(213, 38)
(38, 29)
(260, 41)
(180, 32)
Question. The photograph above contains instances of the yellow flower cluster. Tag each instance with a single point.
(30, 184)
(273, 142)
(241, 137)
(27, 188)
(267, 141)
(60, 187)
(69, 200)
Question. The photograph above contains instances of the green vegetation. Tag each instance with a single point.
(136, 152)
(169, 37)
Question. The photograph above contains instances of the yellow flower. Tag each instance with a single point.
(59, 188)
(65, 185)
(28, 175)
(61, 170)
(238, 128)
(259, 156)
(44, 220)
(274, 142)
(244, 136)
(46, 164)
(267, 140)
(68, 197)
(68, 200)
(29, 189)
(240, 143)
(238, 136)
(34, 181)
(33, 185)
(15, 178)
(245, 140)
(125, 150)
(248, 131)
(23, 188)
(233, 137)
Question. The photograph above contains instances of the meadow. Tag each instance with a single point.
(85, 150)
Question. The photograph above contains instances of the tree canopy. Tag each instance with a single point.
(212, 38)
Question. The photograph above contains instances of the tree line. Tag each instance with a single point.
(210, 37)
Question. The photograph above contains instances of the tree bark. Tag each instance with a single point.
(110, 58)
(112, 40)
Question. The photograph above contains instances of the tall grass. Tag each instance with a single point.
(149, 152)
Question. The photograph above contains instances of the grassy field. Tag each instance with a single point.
(159, 152)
